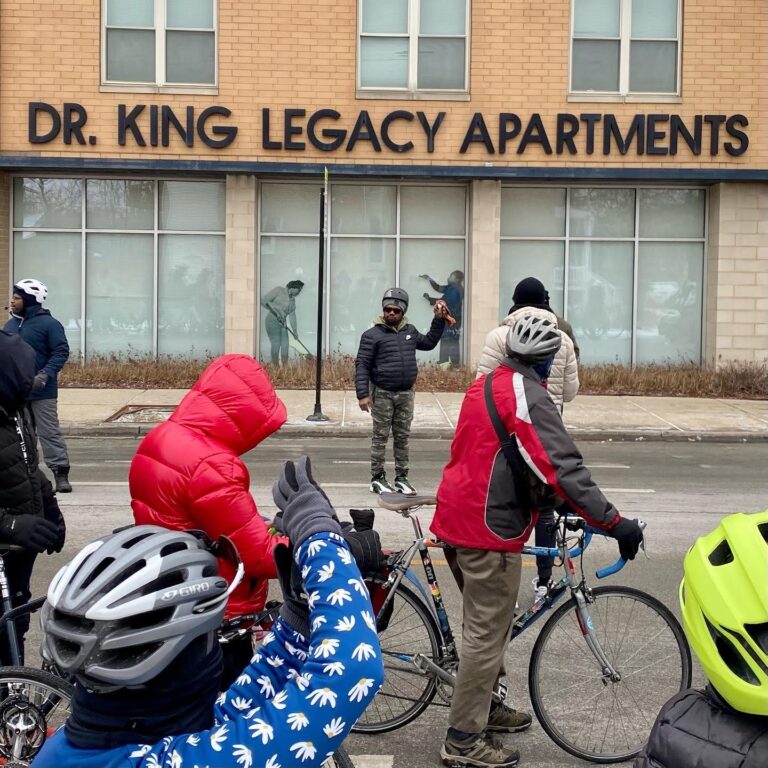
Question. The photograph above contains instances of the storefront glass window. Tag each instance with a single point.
(134, 272)
(633, 260)
(380, 236)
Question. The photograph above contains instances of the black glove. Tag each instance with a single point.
(39, 382)
(294, 611)
(629, 536)
(365, 547)
(303, 505)
(29, 532)
(53, 515)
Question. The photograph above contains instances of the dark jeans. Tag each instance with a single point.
(545, 537)
(18, 569)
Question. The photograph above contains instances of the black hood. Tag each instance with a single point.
(17, 369)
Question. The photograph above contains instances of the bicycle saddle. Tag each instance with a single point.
(399, 501)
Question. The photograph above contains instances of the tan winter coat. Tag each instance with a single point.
(563, 382)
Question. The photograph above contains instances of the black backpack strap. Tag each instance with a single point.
(509, 448)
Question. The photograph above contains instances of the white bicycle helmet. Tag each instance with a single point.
(33, 288)
(129, 603)
(533, 339)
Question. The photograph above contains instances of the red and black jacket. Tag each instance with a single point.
(477, 502)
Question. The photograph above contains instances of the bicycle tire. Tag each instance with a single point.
(46, 698)
(340, 759)
(573, 659)
(406, 692)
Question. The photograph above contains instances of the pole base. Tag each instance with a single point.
(318, 415)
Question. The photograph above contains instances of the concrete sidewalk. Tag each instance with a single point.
(133, 412)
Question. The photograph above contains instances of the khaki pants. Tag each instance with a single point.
(491, 583)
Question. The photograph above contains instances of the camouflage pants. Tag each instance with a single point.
(391, 411)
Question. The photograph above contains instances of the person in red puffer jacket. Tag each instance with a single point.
(187, 474)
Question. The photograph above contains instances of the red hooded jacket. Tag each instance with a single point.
(187, 472)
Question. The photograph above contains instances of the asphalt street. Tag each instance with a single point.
(680, 489)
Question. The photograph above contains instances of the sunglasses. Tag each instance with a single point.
(393, 311)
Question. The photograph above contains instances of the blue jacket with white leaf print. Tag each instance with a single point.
(296, 701)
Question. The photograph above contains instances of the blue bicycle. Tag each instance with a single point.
(602, 666)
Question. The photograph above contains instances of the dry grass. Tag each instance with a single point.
(736, 380)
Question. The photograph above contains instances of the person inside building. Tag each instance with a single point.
(385, 373)
(280, 306)
(187, 473)
(531, 298)
(489, 498)
(30, 519)
(145, 656)
(724, 606)
(453, 295)
(46, 336)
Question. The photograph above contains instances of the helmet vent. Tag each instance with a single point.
(730, 655)
(71, 623)
(721, 554)
(759, 633)
(150, 619)
(763, 528)
(176, 546)
(97, 571)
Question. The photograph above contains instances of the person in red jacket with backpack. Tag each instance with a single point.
(187, 474)
(511, 459)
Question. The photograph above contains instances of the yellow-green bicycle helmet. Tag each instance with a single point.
(724, 601)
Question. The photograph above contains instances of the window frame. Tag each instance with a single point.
(636, 239)
(397, 237)
(411, 91)
(83, 230)
(160, 85)
(625, 40)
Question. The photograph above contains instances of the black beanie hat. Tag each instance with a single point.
(530, 292)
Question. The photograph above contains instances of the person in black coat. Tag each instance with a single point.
(385, 372)
(30, 519)
(46, 336)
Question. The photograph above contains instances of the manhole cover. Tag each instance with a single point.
(151, 414)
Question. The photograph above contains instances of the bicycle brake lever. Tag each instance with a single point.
(643, 525)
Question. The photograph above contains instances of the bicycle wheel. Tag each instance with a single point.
(340, 759)
(579, 707)
(33, 704)
(406, 692)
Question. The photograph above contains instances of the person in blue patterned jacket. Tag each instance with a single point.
(134, 618)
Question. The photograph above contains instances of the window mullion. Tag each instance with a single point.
(625, 30)
(413, 44)
(160, 42)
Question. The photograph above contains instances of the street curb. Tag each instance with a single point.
(138, 430)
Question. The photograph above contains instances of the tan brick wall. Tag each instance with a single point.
(737, 273)
(482, 312)
(5, 268)
(240, 265)
(303, 54)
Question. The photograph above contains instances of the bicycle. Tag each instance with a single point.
(611, 718)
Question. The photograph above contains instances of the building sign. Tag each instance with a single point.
(401, 131)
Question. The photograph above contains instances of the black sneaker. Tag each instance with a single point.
(403, 486)
(481, 752)
(379, 484)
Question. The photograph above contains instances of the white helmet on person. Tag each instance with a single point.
(128, 604)
(533, 339)
(32, 287)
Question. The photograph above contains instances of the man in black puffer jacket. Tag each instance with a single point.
(29, 514)
(385, 372)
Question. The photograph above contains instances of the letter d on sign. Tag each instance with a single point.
(32, 135)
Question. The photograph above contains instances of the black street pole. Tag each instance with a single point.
(318, 414)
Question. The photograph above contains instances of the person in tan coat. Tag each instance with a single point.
(532, 299)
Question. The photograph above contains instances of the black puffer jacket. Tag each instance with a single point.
(387, 356)
(696, 729)
(24, 490)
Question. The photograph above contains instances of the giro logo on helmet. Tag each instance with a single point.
(194, 589)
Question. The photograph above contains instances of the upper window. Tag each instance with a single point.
(625, 47)
(159, 42)
(413, 45)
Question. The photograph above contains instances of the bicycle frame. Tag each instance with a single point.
(401, 569)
